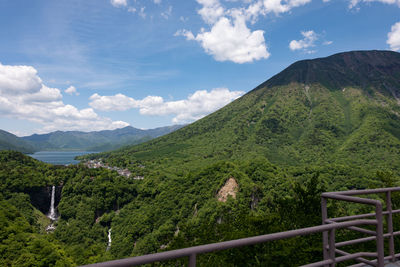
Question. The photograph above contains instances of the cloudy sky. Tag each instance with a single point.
(105, 64)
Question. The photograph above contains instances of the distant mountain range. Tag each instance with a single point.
(9, 141)
(76, 140)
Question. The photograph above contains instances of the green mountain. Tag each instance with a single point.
(326, 124)
(342, 109)
(8, 141)
(254, 167)
(97, 140)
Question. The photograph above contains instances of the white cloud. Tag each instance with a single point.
(183, 19)
(354, 3)
(308, 41)
(327, 42)
(118, 102)
(71, 91)
(24, 96)
(394, 37)
(211, 10)
(132, 9)
(167, 13)
(44, 95)
(233, 41)
(280, 6)
(229, 38)
(18, 79)
(119, 3)
(194, 107)
(142, 13)
(188, 34)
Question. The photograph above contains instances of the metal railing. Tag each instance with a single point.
(328, 229)
(329, 245)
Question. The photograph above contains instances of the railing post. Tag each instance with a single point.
(332, 247)
(379, 235)
(192, 260)
(390, 225)
(324, 213)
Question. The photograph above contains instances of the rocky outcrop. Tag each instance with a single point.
(230, 188)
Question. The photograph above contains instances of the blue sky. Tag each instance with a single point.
(104, 64)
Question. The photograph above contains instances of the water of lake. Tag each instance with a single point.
(59, 157)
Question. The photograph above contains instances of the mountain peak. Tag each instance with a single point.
(347, 108)
(355, 68)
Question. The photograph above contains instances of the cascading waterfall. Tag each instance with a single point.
(109, 239)
(52, 215)
(52, 212)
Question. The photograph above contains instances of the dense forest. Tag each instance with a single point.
(280, 145)
(166, 212)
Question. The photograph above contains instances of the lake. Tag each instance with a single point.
(59, 157)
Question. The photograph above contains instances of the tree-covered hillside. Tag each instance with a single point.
(254, 167)
(165, 211)
(341, 109)
(95, 141)
(10, 141)
(335, 118)
(86, 195)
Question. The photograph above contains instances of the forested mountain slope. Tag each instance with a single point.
(97, 140)
(339, 109)
(9, 141)
(320, 125)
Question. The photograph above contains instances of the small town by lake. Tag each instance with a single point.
(59, 157)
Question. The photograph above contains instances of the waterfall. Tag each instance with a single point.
(109, 239)
(52, 212)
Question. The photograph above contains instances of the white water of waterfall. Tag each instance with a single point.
(52, 212)
(109, 239)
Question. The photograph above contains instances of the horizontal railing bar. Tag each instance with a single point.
(364, 239)
(360, 216)
(355, 241)
(358, 229)
(386, 258)
(185, 252)
(360, 259)
(352, 199)
(319, 263)
(365, 254)
(365, 191)
(352, 217)
(338, 259)
(362, 230)
(394, 234)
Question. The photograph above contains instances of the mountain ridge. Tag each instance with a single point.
(95, 140)
(9, 141)
(78, 140)
(291, 122)
(341, 70)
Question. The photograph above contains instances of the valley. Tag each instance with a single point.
(255, 166)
